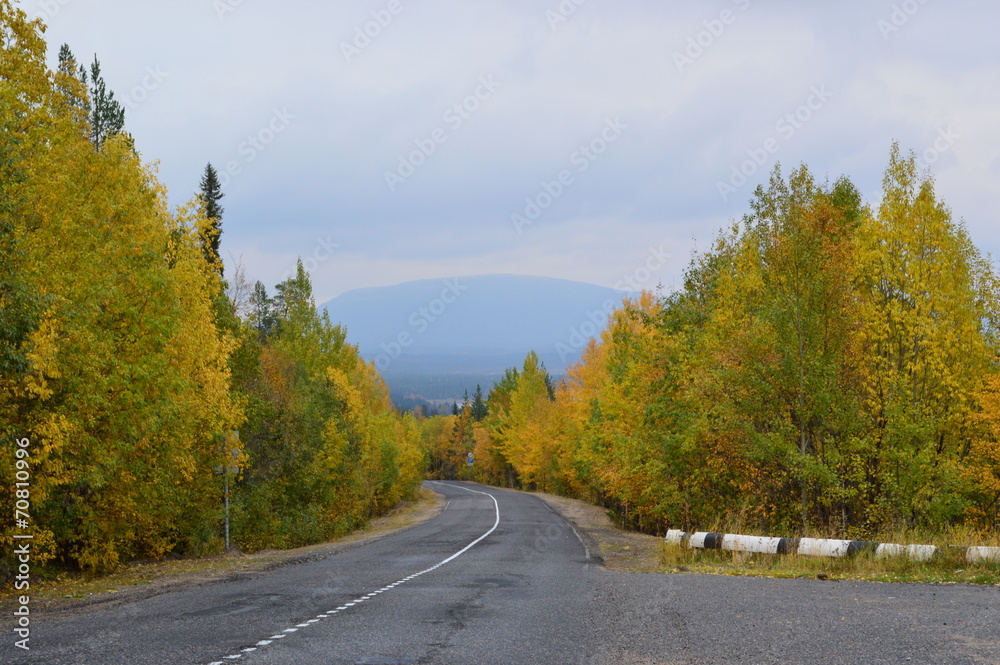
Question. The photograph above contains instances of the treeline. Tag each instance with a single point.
(327, 450)
(138, 375)
(827, 367)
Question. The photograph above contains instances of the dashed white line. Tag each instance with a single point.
(356, 601)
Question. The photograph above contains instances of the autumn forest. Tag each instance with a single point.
(828, 366)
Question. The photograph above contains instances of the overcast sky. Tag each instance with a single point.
(417, 150)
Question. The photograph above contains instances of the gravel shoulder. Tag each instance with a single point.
(620, 551)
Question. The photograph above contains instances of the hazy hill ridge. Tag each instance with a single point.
(473, 324)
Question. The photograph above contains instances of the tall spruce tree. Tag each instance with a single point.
(479, 408)
(67, 61)
(107, 116)
(263, 316)
(211, 194)
(67, 84)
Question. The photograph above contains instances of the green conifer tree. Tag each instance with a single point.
(479, 408)
(107, 116)
(71, 70)
(211, 194)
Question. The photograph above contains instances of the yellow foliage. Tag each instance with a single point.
(127, 397)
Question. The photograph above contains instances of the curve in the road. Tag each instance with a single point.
(357, 601)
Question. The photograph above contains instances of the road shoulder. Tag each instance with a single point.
(141, 580)
(620, 551)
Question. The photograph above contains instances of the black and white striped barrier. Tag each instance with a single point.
(817, 546)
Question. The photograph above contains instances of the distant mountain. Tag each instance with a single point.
(473, 326)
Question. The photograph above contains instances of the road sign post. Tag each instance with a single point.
(231, 466)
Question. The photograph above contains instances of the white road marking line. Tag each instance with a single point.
(454, 556)
(263, 643)
(249, 649)
(302, 625)
(480, 538)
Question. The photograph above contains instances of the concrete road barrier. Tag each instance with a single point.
(816, 546)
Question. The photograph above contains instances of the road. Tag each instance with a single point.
(498, 577)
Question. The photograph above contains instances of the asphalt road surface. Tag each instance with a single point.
(498, 577)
